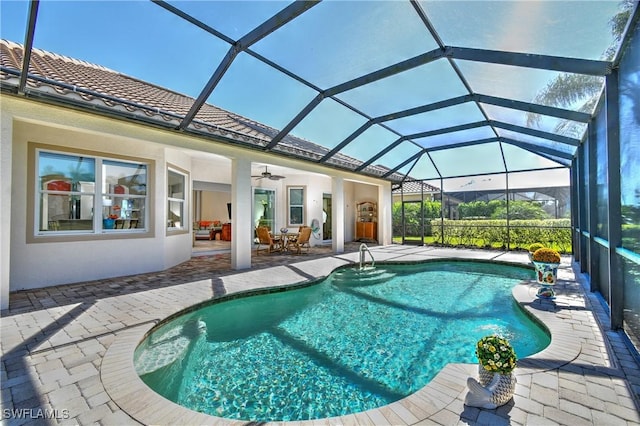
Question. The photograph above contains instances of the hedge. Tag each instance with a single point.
(493, 232)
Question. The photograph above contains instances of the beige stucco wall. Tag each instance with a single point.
(6, 129)
(43, 261)
(28, 262)
(214, 205)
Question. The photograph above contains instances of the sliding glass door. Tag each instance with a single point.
(264, 207)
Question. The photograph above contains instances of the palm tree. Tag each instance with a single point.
(568, 90)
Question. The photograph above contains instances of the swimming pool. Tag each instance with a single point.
(356, 341)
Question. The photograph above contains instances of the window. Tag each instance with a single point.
(176, 182)
(66, 192)
(124, 195)
(72, 187)
(295, 201)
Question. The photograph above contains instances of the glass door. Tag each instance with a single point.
(264, 208)
(326, 217)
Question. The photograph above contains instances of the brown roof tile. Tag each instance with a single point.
(95, 84)
(415, 187)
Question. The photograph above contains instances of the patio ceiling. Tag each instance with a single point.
(394, 89)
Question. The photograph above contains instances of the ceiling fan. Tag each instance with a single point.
(267, 175)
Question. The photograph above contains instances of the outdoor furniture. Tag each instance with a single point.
(301, 241)
(285, 238)
(294, 237)
(266, 239)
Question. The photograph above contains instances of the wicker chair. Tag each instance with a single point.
(266, 239)
(294, 238)
(302, 241)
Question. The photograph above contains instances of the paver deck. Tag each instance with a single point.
(67, 351)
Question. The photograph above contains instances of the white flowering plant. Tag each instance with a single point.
(495, 354)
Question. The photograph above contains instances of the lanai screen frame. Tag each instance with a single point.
(575, 152)
(455, 56)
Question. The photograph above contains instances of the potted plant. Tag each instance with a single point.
(546, 255)
(546, 261)
(532, 249)
(497, 360)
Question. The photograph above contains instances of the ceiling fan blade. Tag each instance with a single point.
(266, 174)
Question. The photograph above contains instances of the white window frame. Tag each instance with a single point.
(184, 225)
(99, 194)
(300, 206)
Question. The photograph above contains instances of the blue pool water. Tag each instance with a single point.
(356, 341)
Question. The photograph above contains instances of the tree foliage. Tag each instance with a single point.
(497, 209)
(495, 233)
(568, 90)
(430, 210)
(485, 224)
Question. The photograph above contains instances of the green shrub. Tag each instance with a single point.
(555, 233)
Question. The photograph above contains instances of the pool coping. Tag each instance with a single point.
(448, 388)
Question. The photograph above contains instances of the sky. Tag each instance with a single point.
(329, 44)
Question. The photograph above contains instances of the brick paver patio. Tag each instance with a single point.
(66, 350)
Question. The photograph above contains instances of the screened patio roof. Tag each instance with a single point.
(394, 89)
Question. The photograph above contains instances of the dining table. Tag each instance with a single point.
(285, 237)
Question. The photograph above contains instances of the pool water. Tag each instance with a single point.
(356, 341)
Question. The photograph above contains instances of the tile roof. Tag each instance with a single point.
(84, 83)
(414, 187)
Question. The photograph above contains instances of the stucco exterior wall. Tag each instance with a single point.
(350, 210)
(41, 262)
(6, 130)
(29, 261)
(211, 170)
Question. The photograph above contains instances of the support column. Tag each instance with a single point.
(384, 214)
(6, 148)
(578, 205)
(506, 197)
(616, 287)
(241, 230)
(594, 251)
(583, 207)
(574, 191)
(337, 214)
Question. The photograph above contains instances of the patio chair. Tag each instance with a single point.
(302, 241)
(266, 239)
(294, 238)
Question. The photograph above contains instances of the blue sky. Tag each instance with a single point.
(331, 43)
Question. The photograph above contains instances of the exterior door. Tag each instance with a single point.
(264, 208)
(326, 217)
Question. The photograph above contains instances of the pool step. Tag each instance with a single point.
(162, 354)
(169, 347)
(358, 278)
